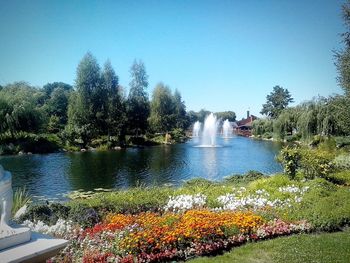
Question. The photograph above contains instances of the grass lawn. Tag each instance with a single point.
(304, 248)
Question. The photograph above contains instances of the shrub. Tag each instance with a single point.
(290, 158)
(325, 210)
(48, 214)
(83, 215)
(342, 177)
(244, 178)
(316, 163)
(342, 162)
(59, 210)
(342, 141)
(38, 212)
(178, 135)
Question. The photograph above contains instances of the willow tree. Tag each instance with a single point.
(343, 56)
(286, 123)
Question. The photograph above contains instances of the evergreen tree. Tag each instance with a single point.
(138, 107)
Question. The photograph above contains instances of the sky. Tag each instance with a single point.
(221, 55)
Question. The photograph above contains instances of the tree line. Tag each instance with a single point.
(96, 107)
(328, 116)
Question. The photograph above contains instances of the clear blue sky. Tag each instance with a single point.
(221, 55)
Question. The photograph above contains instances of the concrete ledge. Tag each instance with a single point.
(17, 235)
(38, 249)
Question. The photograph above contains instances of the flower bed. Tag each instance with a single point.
(150, 237)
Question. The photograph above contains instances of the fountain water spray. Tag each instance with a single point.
(227, 129)
(196, 129)
(209, 131)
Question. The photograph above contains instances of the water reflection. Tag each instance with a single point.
(53, 174)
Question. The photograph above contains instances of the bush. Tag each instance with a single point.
(316, 163)
(328, 211)
(178, 135)
(342, 178)
(342, 141)
(342, 162)
(244, 178)
(49, 214)
(290, 158)
(38, 213)
(83, 215)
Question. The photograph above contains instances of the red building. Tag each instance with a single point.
(244, 126)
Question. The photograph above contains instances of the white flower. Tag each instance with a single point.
(185, 202)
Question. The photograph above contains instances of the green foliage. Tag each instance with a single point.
(311, 162)
(343, 56)
(48, 214)
(226, 115)
(342, 162)
(115, 116)
(130, 201)
(316, 163)
(320, 116)
(28, 142)
(326, 210)
(162, 117)
(21, 198)
(138, 108)
(342, 141)
(270, 184)
(263, 128)
(83, 215)
(240, 179)
(178, 135)
(20, 108)
(276, 101)
(290, 157)
(342, 177)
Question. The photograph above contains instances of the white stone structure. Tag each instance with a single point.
(9, 236)
(6, 201)
(17, 243)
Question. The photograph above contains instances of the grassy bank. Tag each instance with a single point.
(321, 247)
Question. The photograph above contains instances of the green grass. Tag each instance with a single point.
(305, 248)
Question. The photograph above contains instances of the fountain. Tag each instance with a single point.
(196, 129)
(227, 129)
(209, 131)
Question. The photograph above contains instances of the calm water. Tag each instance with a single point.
(52, 175)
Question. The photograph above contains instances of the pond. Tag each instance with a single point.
(53, 175)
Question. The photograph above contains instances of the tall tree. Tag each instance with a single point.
(343, 56)
(276, 101)
(181, 121)
(88, 103)
(163, 117)
(138, 107)
(115, 117)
